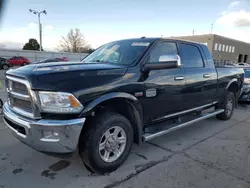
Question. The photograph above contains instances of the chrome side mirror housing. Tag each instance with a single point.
(170, 58)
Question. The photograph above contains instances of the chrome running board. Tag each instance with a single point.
(174, 127)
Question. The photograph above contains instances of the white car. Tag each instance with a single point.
(243, 64)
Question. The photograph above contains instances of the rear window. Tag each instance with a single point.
(191, 56)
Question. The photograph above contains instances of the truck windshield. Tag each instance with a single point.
(120, 52)
(247, 73)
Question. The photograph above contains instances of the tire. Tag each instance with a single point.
(94, 137)
(228, 105)
(25, 63)
(5, 67)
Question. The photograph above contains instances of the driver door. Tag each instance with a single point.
(166, 83)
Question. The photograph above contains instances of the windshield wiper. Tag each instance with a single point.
(99, 61)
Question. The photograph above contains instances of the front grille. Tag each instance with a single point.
(19, 98)
(19, 88)
(22, 104)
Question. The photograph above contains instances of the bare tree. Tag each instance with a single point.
(74, 42)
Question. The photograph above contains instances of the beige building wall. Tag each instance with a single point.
(232, 49)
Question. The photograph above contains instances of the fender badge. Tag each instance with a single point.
(138, 94)
(150, 92)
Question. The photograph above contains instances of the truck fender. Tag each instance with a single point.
(230, 82)
(132, 101)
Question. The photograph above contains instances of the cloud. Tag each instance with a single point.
(235, 18)
(10, 45)
(16, 37)
(236, 33)
(223, 13)
(233, 4)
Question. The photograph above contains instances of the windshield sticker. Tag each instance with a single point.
(140, 44)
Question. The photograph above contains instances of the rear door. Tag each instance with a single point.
(200, 80)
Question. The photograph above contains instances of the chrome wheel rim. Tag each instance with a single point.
(5, 67)
(229, 107)
(112, 144)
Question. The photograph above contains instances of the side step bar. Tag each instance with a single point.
(149, 136)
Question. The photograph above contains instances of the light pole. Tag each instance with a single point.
(212, 27)
(39, 22)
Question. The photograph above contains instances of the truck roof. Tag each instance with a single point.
(152, 39)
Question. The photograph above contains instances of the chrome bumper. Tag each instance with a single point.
(56, 136)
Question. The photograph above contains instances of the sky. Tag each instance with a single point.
(102, 21)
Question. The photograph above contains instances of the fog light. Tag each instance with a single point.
(50, 136)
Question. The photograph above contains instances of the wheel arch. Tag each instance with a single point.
(123, 103)
(234, 87)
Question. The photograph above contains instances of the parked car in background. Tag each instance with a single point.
(4, 64)
(49, 60)
(18, 61)
(245, 95)
(243, 64)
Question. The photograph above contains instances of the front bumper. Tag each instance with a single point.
(55, 136)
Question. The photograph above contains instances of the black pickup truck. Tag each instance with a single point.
(125, 91)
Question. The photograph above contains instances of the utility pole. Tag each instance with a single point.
(193, 31)
(212, 27)
(39, 24)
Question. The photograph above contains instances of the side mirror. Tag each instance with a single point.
(164, 62)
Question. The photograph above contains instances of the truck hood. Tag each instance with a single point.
(68, 76)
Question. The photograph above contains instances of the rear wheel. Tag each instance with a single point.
(106, 143)
(228, 105)
(25, 63)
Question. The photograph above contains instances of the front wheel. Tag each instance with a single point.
(106, 143)
(228, 105)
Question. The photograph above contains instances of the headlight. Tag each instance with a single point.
(59, 102)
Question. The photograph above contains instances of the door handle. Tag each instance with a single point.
(177, 78)
(206, 75)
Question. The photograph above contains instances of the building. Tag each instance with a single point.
(223, 49)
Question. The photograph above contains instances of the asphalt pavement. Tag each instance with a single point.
(208, 154)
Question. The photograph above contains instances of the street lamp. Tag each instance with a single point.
(212, 27)
(40, 26)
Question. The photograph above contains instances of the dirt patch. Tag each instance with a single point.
(17, 170)
(48, 174)
(60, 165)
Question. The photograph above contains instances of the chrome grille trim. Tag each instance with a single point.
(30, 97)
(20, 96)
